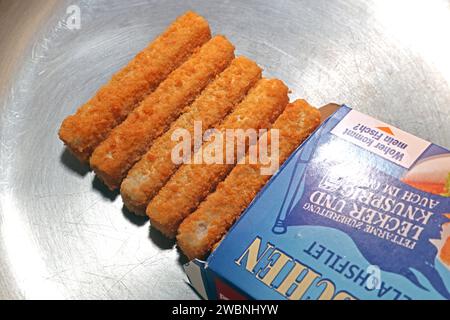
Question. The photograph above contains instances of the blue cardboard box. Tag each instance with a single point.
(359, 211)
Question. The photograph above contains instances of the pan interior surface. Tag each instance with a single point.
(63, 234)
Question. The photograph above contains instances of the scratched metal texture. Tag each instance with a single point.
(62, 235)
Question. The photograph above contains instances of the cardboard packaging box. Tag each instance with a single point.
(359, 211)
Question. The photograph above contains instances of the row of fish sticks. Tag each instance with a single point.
(185, 76)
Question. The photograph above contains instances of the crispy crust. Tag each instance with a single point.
(216, 101)
(130, 140)
(207, 225)
(193, 182)
(90, 125)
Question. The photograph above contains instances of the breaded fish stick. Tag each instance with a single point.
(193, 182)
(130, 140)
(154, 169)
(203, 228)
(91, 124)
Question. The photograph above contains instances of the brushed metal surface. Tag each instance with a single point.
(62, 235)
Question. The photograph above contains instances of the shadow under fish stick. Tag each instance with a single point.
(133, 138)
(193, 182)
(91, 124)
(218, 99)
(199, 232)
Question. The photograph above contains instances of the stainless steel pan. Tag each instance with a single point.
(62, 235)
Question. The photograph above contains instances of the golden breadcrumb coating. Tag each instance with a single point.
(127, 142)
(193, 182)
(208, 224)
(91, 124)
(154, 169)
